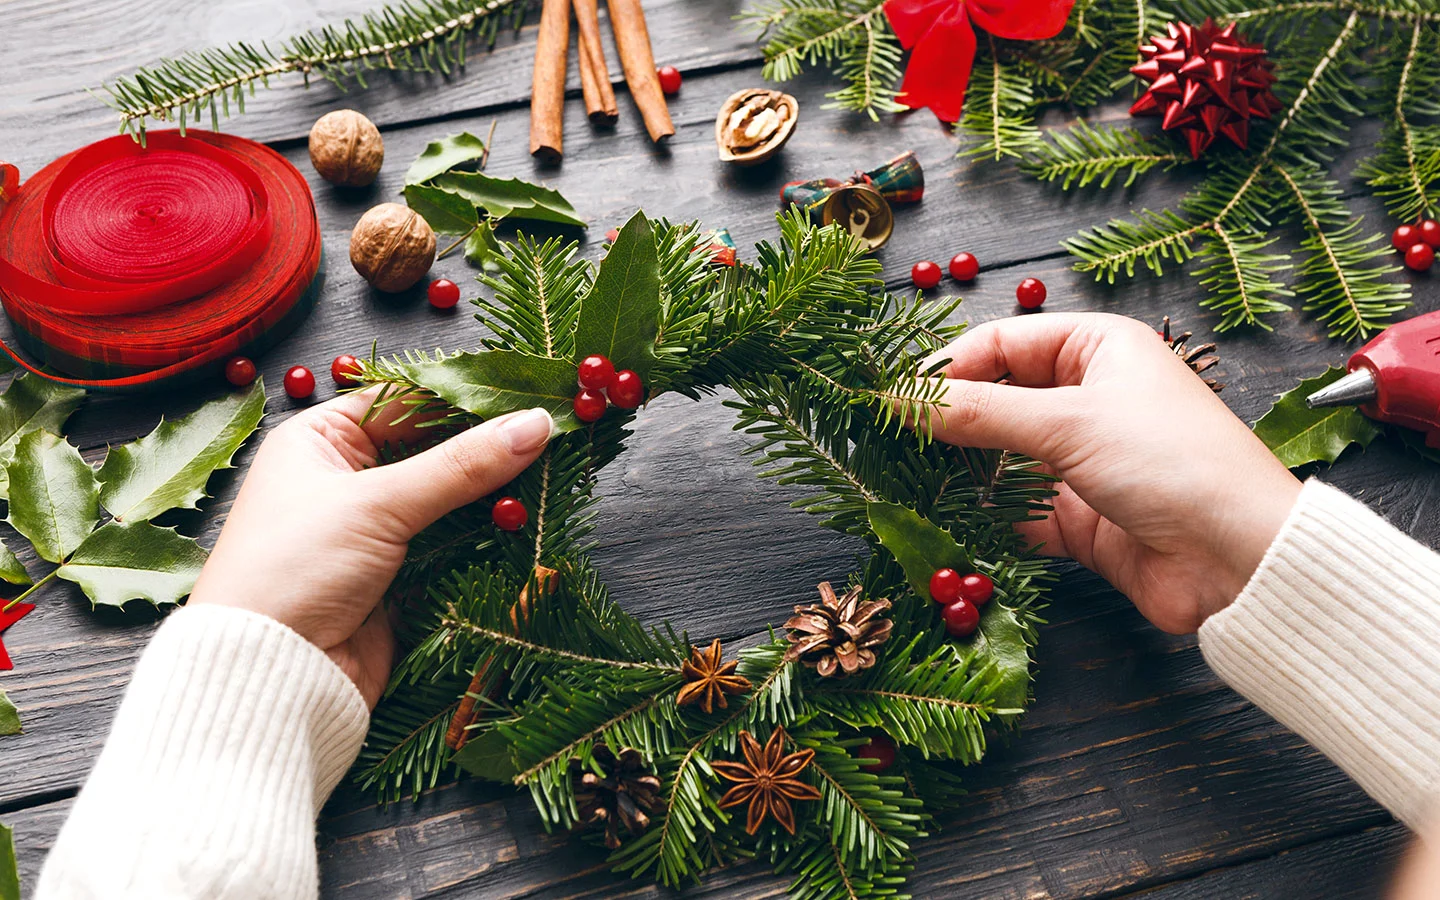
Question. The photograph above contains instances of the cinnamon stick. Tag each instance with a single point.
(632, 40)
(547, 89)
(594, 73)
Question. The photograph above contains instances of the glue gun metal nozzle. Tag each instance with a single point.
(1356, 388)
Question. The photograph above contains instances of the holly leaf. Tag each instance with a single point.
(54, 497)
(441, 156)
(124, 561)
(9, 869)
(31, 403)
(921, 547)
(11, 569)
(491, 383)
(1298, 435)
(483, 249)
(169, 467)
(488, 755)
(9, 717)
(621, 315)
(503, 198)
(446, 211)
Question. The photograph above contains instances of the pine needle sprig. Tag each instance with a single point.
(1085, 155)
(1405, 170)
(999, 116)
(413, 36)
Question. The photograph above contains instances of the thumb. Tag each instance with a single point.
(463, 469)
(1034, 421)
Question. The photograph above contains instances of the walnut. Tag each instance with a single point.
(392, 247)
(754, 124)
(346, 149)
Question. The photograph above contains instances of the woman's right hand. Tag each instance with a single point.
(1164, 492)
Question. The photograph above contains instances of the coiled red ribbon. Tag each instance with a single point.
(124, 266)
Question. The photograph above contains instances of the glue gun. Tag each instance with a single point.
(1394, 378)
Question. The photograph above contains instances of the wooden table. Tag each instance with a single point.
(1136, 770)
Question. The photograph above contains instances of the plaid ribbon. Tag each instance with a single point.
(126, 267)
(901, 180)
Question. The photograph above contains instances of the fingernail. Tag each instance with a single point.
(527, 431)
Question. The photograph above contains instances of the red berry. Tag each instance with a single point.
(509, 514)
(1031, 293)
(669, 79)
(964, 267)
(1405, 237)
(881, 749)
(299, 382)
(1430, 232)
(925, 274)
(1419, 257)
(589, 405)
(627, 391)
(240, 371)
(443, 293)
(596, 372)
(344, 370)
(945, 586)
(977, 588)
(961, 618)
(611, 235)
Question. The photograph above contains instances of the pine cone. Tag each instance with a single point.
(1194, 357)
(838, 635)
(628, 794)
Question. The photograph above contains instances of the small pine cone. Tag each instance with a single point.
(838, 635)
(1195, 357)
(627, 795)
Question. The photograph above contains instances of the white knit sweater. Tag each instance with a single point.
(235, 730)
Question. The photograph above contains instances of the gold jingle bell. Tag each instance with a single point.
(862, 211)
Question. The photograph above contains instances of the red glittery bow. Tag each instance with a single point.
(1205, 81)
(941, 42)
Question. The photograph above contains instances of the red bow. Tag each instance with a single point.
(7, 618)
(942, 43)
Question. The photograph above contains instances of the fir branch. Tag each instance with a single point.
(1240, 276)
(418, 35)
(1085, 155)
(852, 37)
(999, 109)
(1406, 166)
(1121, 245)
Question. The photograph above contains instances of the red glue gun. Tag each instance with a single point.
(1394, 378)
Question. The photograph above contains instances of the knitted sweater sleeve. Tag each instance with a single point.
(1337, 636)
(233, 732)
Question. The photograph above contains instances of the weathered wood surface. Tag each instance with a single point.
(1136, 770)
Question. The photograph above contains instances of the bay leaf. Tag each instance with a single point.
(54, 495)
(620, 316)
(1298, 435)
(124, 561)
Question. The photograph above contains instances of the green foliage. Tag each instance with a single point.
(9, 717)
(825, 368)
(1298, 435)
(1085, 155)
(450, 152)
(999, 116)
(1405, 170)
(11, 569)
(9, 872)
(54, 495)
(123, 561)
(415, 36)
(31, 403)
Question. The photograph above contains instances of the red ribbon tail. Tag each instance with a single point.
(939, 67)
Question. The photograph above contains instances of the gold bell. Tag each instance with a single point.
(862, 211)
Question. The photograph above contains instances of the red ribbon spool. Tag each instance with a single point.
(125, 266)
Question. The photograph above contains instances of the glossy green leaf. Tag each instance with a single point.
(446, 211)
(11, 569)
(441, 156)
(620, 316)
(9, 717)
(125, 561)
(9, 870)
(31, 403)
(494, 382)
(483, 249)
(1298, 435)
(169, 467)
(54, 496)
(506, 198)
(921, 547)
(489, 755)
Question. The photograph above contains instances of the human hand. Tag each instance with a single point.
(1164, 492)
(319, 531)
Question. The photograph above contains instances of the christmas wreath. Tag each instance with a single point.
(823, 750)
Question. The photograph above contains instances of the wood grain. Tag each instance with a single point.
(1135, 771)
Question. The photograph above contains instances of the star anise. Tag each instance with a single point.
(628, 794)
(766, 780)
(1194, 357)
(838, 635)
(708, 680)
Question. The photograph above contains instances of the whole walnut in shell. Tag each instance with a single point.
(346, 149)
(392, 247)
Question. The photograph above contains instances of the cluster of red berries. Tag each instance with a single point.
(963, 268)
(1418, 242)
(961, 596)
(601, 386)
(299, 381)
